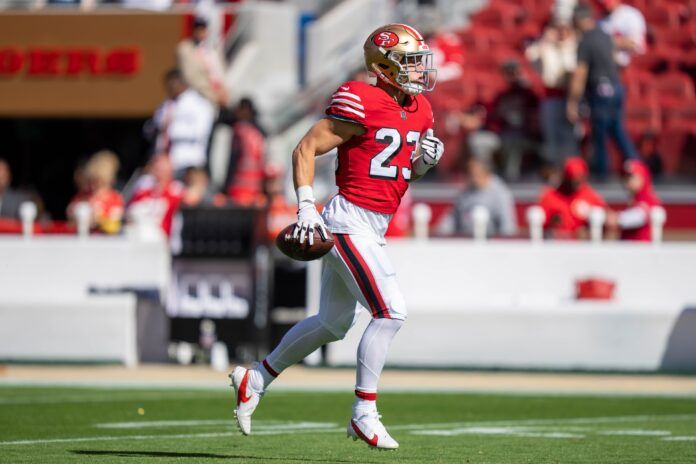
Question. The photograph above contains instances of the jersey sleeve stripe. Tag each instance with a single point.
(349, 103)
(348, 109)
(346, 119)
(347, 94)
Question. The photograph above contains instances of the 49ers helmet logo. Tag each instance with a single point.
(385, 39)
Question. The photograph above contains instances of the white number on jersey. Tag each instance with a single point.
(379, 165)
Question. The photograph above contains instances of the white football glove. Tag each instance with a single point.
(308, 218)
(431, 150)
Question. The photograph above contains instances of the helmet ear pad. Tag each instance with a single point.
(386, 74)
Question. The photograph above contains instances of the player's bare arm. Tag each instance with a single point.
(324, 136)
(577, 88)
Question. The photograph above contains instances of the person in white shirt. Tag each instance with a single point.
(183, 122)
(202, 63)
(554, 56)
(626, 25)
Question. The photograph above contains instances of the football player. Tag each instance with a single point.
(385, 140)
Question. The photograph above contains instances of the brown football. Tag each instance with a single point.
(302, 251)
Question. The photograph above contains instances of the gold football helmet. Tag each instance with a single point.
(395, 52)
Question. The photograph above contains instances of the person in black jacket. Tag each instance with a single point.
(10, 199)
(597, 77)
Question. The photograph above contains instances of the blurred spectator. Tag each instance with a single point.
(567, 207)
(649, 154)
(183, 123)
(157, 5)
(96, 180)
(246, 111)
(448, 55)
(280, 212)
(481, 143)
(514, 117)
(634, 222)
(361, 75)
(626, 25)
(554, 54)
(562, 10)
(10, 199)
(485, 189)
(597, 76)
(159, 195)
(400, 224)
(202, 64)
(246, 168)
(197, 189)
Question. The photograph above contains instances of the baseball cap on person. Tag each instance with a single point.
(575, 168)
(635, 167)
(582, 11)
(200, 21)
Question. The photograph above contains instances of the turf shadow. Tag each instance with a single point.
(172, 454)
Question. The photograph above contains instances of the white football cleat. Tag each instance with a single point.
(369, 429)
(247, 398)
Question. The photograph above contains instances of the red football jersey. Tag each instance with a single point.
(565, 214)
(374, 168)
(160, 204)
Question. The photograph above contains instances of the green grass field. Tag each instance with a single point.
(99, 425)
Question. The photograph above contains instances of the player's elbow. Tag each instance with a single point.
(302, 153)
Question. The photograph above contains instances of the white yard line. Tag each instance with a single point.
(58, 399)
(637, 433)
(266, 425)
(507, 431)
(519, 428)
(115, 438)
(557, 421)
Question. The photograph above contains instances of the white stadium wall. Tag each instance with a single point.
(498, 304)
(47, 310)
(511, 305)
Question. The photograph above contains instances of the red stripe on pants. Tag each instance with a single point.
(382, 307)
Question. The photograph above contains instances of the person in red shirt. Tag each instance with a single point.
(384, 138)
(280, 212)
(567, 207)
(105, 202)
(246, 171)
(634, 221)
(159, 195)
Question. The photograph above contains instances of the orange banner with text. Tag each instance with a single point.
(72, 64)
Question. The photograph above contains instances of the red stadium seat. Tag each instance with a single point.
(683, 116)
(640, 85)
(680, 129)
(481, 62)
(665, 15)
(642, 5)
(501, 16)
(481, 39)
(642, 116)
(682, 38)
(671, 147)
(454, 95)
(650, 62)
(674, 88)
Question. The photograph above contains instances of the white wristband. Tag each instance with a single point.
(305, 194)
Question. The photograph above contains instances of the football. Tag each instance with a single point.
(303, 251)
